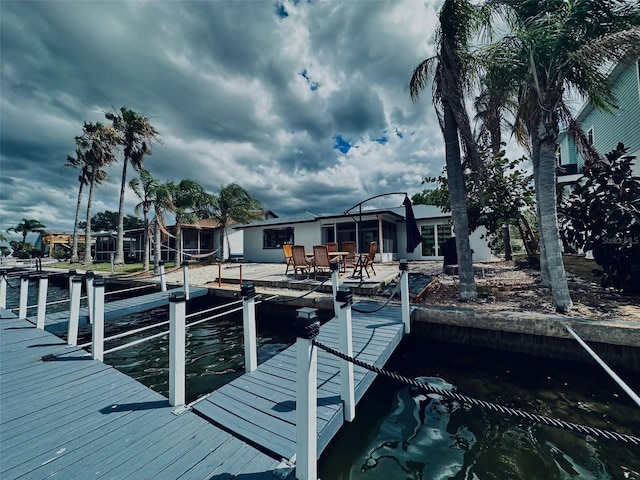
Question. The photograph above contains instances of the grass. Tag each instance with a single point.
(582, 267)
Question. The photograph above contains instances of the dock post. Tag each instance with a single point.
(163, 280)
(185, 279)
(404, 294)
(90, 294)
(42, 300)
(248, 293)
(74, 310)
(72, 273)
(3, 288)
(97, 328)
(24, 294)
(307, 328)
(335, 284)
(177, 342)
(344, 299)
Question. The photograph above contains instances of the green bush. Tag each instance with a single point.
(602, 214)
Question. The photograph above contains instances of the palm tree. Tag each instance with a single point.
(143, 188)
(97, 144)
(556, 47)
(190, 202)
(160, 197)
(27, 226)
(450, 73)
(136, 135)
(233, 204)
(79, 161)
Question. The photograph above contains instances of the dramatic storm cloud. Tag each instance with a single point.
(304, 104)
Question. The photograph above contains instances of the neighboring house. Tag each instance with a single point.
(263, 240)
(48, 242)
(606, 130)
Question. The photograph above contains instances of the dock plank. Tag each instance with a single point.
(261, 406)
(74, 417)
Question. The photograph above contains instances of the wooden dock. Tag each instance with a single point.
(77, 418)
(260, 406)
(56, 322)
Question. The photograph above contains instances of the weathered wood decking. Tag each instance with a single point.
(261, 406)
(55, 322)
(77, 418)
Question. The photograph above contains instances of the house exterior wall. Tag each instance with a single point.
(608, 129)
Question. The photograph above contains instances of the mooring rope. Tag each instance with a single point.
(532, 417)
(393, 293)
(6, 279)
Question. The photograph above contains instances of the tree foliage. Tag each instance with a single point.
(107, 221)
(27, 226)
(603, 214)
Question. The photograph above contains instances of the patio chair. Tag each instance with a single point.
(366, 261)
(332, 246)
(349, 260)
(288, 256)
(322, 259)
(300, 261)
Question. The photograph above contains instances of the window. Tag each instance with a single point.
(433, 236)
(590, 136)
(276, 237)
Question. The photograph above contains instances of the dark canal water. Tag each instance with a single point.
(400, 433)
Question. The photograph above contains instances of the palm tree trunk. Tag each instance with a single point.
(145, 260)
(457, 197)
(157, 251)
(87, 231)
(74, 242)
(550, 237)
(506, 238)
(119, 258)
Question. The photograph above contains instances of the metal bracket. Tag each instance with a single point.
(180, 409)
(285, 468)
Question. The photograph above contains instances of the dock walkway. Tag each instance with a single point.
(261, 406)
(77, 418)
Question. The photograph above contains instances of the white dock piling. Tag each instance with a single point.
(307, 396)
(42, 300)
(163, 279)
(344, 299)
(90, 293)
(177, 388)
(185, 279)
(249, 327)
(97, 328)
(24, 294)
(74, 309)
(3, 288)
(404, 295)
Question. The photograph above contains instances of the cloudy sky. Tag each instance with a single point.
(304, 104)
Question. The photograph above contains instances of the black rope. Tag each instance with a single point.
(6, 279)
(532, 417)
(393, 293)
(276, 297)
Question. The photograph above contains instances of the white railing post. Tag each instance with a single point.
(344, 299)
(177, 342)
(75, 293)
(3, 288)
(307, 328)
(24, 295)
(43, 285)
(404, 294)
(335, 284)
(248, 293)
(185, 279)
(97, 328)
(72, 273)
(90, 294)
(163, 280)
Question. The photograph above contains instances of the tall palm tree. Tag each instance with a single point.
(449, 69)
(160, 197)
(233, 204)
(136, 135)
(27, 226)
(143, 188)
(556, 47)
(79, 161)
(97, 143)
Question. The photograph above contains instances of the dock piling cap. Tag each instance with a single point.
(177, 297)
(307, 324)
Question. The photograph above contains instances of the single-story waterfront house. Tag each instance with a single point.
(263, 240)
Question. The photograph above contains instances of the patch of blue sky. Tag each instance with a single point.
(281, 11)
(383, 140)
(312, 85)
(341, 144)
(399, 133)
